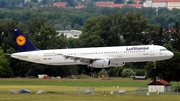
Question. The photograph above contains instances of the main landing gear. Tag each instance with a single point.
(154, 64)
(155, 78)
(155, 72)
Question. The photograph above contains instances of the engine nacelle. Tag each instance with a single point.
(100, 63)
(116, 63)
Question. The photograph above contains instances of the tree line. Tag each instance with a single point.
(71, 18)
(103, 27)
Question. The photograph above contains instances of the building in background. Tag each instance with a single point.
(162, 3)
(30, 0)
(112, 4)
(60, 4)
(173, 4)
(159, 85)
(70, 33)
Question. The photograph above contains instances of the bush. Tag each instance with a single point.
(83, 76)
(140, 72)
(177, 89)
(127, 72)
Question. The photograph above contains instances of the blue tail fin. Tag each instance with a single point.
(22, 42)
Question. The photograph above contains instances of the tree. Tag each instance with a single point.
(2, 4)
(5, 70)
(110, 32)
(102, 31)
(176, 36)
(34, 1)
(44, 2)
(73, 43)
(115, 71)
(140, 72)
(6, 39)
(70, 2)
(118, 1)
(90, 35)
(116, 29)
(133, 27)
(127, 72)
(44, 36)
(160, 34)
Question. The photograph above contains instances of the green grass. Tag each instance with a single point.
(71, 97)
(67, 90)
(79, 82)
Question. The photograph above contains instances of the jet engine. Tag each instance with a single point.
(100, 63)
(105, 63)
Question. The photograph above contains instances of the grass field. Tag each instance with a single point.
(72, 90)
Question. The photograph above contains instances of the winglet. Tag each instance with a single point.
(22, 42)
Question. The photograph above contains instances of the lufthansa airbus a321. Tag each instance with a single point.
(98, 57)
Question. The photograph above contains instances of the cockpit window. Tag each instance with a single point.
(163, 50)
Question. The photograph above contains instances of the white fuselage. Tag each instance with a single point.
(139, 53)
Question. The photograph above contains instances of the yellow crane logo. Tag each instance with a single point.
(20, 40)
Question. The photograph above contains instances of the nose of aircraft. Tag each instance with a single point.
(170, 54)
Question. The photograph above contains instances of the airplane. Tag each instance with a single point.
(97, 57)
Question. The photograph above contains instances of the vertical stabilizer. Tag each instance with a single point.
(22, 42)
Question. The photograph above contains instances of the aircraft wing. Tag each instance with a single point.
(81, 58)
